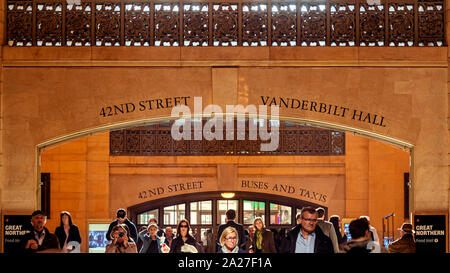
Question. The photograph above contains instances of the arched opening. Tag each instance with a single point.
(206, 211)
(353, 178)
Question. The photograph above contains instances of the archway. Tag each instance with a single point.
(206, 211)
(128, 176)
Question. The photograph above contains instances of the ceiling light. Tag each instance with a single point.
(227, 194)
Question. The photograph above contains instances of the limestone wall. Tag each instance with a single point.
(50, 93)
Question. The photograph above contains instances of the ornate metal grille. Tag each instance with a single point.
(156, 139)
(225, 23)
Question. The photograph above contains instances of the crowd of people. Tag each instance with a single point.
(311, 234)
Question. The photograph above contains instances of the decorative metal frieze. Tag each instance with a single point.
(225, 23)
(401, 24)
(137, 24)
(313, 24)
(254, 24)
(108, 23)
(431, 23)
(157, 140)
(284, 24)
(19, 23)
(372, 24)
(343, 27)
(166, 24)
(196, 24)
(78, 25)
(48, 23)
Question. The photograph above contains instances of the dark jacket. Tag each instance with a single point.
(166, 241)
(358, 247)
(50, 241)
(322, 243)
(147, 239)
(239, 251)
(405, 244)
(74, 235)
(178, 242)
(133, 230)
(267, 244)
(239, 228)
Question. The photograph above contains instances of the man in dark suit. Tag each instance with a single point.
(231, 215)
(122, 219)
(307, 237)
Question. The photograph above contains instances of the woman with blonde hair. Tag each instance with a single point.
(263, 241)
(229, 241)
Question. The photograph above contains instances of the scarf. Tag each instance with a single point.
(258, 239)
(225, 249)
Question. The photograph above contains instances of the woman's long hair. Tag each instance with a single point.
(259, 219)
(334, 219)
(61, 216)
(179, 228)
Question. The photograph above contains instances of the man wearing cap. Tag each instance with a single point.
(122, 219)
(406, 243)
(40, 239)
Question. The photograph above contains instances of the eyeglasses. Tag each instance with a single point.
(185, 226)
(310, 220)
(231, 238)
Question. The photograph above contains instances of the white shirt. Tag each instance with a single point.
(376, 241)
(39, 238)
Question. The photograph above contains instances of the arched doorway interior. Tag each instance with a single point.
(207, 211)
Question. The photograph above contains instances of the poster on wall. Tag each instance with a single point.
(431, 232)
(14, 228)
(97, 237)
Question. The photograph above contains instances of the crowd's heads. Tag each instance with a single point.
(152, 225)
(334, 219)
(119, 231)
(183, 225)
(251, 229)
(121, 213)
(304, 210)
(258, 223)
(359, 228)
(320, 212)
(407, 228)
(152, 228)
(38, 213)
(65, 215)
(367, 218)
(298, 217)
(231, 214)
(38, 219)
(169, 231)
(230, 236)
(309, 210)
(308, 219)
